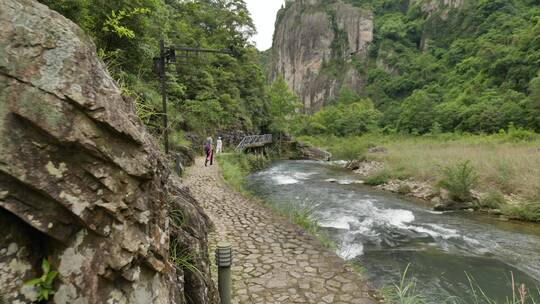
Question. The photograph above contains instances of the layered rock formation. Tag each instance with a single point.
(314, 44)
(81, 182)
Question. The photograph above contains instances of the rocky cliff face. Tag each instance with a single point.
(81, 182)
(314, 44)
(432, 6)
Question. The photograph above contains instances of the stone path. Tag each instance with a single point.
(274, 260)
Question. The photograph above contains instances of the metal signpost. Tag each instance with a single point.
(168, 55)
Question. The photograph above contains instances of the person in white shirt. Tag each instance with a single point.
(219, 145)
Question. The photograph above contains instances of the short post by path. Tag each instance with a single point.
(224, 262)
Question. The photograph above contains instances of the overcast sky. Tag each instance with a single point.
(264, 13)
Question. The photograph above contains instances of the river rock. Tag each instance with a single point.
(366, 168)
(82, 182)
(305, 151)
(353, 165)
(452, 205)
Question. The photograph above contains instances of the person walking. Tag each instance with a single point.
(209, 152)
(219, 145)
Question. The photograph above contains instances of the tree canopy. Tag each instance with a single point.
(207, 93)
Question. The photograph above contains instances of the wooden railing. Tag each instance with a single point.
(253, 141)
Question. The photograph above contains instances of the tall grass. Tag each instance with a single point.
(405, 292)
(303, 217)
(234, 168)
(183, 258)
(520, 294)
(508, 162)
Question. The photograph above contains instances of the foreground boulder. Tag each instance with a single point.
(81, 182)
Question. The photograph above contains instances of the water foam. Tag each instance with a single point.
(396, 217)
(302, 175)
(342, 163)
(351, 250)
(342, 222)
(284, 180)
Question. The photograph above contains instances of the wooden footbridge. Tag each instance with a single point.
(254, 142)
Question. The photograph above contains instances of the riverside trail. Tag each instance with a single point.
(275, 261)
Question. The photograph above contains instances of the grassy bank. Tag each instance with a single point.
(406, 292)
(506, 165)
(236, 166)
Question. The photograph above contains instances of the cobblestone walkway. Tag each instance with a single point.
(274, 260)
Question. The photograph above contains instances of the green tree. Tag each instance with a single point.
(206, 93)
(417, 113)
(347, 95)
(283, 106)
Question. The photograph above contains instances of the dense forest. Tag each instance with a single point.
(207, 93)
(473, 68)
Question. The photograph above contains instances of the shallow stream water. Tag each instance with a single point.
(384, 233)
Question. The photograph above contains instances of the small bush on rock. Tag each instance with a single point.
(528, 212)
(493, 200)
(257, 162)
(459, 180)
(378, 178)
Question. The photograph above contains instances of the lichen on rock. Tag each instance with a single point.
(81, 180)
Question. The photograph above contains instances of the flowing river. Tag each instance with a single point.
(384, 233)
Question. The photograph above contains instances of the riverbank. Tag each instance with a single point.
(385, 233)
(236, 166)
(275, 261)
(501, 172)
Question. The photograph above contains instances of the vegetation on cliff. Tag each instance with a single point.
(206, 93)
(458, 66)
(471, 68)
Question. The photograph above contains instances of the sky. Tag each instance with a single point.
(263, 13)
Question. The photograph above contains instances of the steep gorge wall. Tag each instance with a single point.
(314, 44)
(319, 46)
(82, 183)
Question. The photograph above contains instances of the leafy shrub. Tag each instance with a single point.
(459, 180)
(342, 119)
(44, 284)
(378, 178)
(528, 212)
(257, 162)
(351, 151)
(520, 134)
(493, 200)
